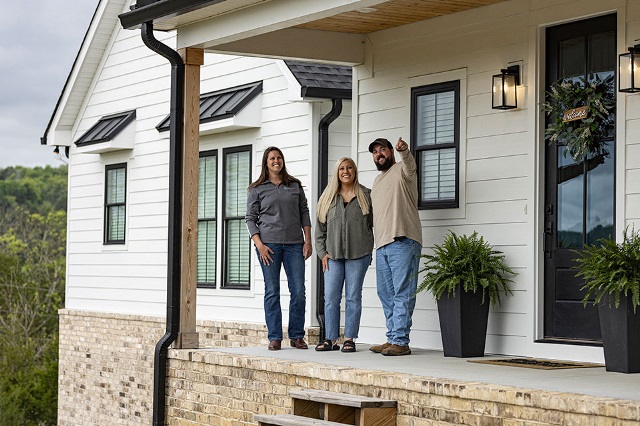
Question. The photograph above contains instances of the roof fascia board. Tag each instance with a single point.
(162, 9)
(262, 18)
(293, 85)
(294, 43)
(316, 92)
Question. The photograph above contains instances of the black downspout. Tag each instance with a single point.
(175, 219)
(323, 172)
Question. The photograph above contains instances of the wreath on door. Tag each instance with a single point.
(581, 115)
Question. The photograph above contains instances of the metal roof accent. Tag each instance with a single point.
(107, 128)
(322, 80)
(222, 104)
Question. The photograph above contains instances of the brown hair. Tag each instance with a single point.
(264, 173)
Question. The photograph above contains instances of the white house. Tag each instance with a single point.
(424, 73)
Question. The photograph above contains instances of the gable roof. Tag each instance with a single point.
(80, 78)
(322, 80)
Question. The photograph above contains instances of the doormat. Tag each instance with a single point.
(542, 364)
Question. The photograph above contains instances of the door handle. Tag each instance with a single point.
(548, 238)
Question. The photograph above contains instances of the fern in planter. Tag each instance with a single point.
(469, 261)
(611, 269)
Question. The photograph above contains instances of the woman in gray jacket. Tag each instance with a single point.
(344, 242)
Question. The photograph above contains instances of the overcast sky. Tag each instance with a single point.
(39, 40)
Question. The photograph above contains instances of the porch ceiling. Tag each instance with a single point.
(391, 14)
(331, 31)
(365, 17)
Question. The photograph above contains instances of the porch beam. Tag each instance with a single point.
(263, 18)
(301, 44)
(188, 336)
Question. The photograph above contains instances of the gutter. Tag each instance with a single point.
(323, 171)
(175, 220)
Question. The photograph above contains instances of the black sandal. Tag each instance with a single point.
(348, 346)
(327, 345)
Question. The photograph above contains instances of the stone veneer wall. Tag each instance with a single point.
(105, 375)
(208, 387)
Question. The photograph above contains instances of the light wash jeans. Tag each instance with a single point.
(289, 255)
(349, 272)
(397, 266)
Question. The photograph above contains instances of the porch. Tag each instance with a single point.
(229, 385)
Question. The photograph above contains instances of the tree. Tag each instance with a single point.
(32, 279)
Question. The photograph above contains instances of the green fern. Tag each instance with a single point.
(611, 269)
(469, 261)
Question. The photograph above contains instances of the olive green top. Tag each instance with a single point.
(348, 234)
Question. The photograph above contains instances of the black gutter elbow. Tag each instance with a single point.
(175, 220)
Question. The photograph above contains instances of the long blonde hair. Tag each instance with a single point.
(333, 188)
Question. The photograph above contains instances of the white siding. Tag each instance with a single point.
(131, 278)
(500, 160)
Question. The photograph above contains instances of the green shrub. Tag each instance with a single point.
(469, 261)
(611, 270)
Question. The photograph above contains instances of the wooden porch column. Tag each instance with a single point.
(188, 336)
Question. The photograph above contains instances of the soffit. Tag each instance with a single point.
(386, 15)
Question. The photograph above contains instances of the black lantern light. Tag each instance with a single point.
(504, 88)
(629, 71)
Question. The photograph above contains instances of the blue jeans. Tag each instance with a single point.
(349, 272)
(397, 266)
(289, 255)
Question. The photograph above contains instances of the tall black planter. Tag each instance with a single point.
(463, 323)
(620, 330)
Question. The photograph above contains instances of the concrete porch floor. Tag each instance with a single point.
(592, 381)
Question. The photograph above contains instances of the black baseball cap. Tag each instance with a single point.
(380, 141)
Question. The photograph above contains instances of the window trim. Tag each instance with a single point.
(214, 284)
(106, 239)
(416, 92)
(225, 240)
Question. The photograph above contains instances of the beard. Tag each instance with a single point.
(386, 165)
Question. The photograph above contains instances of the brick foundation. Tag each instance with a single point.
(106, 378)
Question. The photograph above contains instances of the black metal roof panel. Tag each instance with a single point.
(106, 128)
(322, 80)
(222, 103)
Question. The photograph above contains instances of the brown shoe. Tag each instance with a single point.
(379, 348)
(396, 350)
(274, 345)
(299, 343)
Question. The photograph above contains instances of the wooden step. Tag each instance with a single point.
(345, 399)
(344, 408)
(290, 420)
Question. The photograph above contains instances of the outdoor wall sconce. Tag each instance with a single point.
(504, 88)
(629, 71)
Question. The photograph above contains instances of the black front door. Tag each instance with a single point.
(579, 195)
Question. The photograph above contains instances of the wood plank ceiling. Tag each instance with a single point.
(391, 14)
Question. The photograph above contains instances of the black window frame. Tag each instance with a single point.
(106, 239)
(224, 220)
(209, 284)
(430, 89)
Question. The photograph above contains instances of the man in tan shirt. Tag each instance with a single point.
(398, 238)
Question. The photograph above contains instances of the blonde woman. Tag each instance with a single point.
(344, 242)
